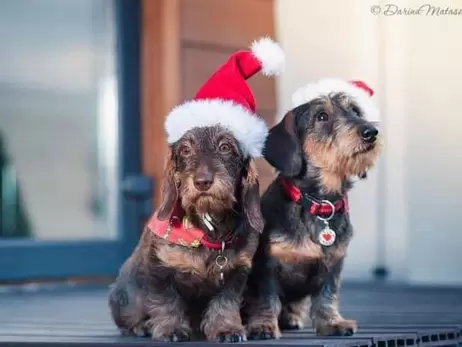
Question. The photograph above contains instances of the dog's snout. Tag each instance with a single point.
(203, 181)
(368, 133)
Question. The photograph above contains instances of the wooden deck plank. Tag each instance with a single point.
(388, 316)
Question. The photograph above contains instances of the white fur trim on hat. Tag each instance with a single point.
(327, 86)
(248, 129)
(270, 55)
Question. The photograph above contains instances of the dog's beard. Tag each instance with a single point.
(340, 160)
(361, 161)
(209, 204)
(348, 164)
(218, 200)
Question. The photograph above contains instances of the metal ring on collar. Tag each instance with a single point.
(332, 213)
(221, 261)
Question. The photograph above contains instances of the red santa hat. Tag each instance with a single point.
(226, 99)
(359, 91)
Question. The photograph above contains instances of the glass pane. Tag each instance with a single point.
(58, 119)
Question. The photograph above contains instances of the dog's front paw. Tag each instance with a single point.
(264, 331)
(291, 322)
(222, 323)
(232, 336)
(216, 330)
(223, 334)
(170, 333)
(343, 327)
(176, 336)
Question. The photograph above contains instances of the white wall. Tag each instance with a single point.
(434, 165)
(410, 202)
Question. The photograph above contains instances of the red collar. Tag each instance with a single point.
(178, 230)
(312, 205)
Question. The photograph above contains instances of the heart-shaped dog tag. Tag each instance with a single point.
(327, 237)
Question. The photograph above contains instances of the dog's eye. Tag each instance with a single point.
(185, 151)
(224, 148)
(356, 111)
(322, 116)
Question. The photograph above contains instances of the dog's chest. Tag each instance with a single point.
(302, 261)
(196, 268)
(310, 240)
(289, 251)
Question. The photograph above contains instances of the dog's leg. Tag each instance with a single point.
(264, 304)
(324, 306)
(294, 314)
(263, 320)
(222, 319)
(126, 303)
(167, 315)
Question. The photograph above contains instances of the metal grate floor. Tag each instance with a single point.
(388, 316)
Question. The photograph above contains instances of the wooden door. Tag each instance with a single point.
(184, 41)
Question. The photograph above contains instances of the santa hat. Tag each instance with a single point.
(359, 91)
(226, 99)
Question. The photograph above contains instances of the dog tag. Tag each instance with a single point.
(327, 236)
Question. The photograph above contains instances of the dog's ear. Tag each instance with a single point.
(283, 149)
(253, 218)
(169, 189)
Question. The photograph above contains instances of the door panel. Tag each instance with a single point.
(58, 131)
(69, 113)
(227, 23)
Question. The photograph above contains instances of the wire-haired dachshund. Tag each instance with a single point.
(177, 285)
(318, 147)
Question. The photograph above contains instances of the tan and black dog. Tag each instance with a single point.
(328, 138)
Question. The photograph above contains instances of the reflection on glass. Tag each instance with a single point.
(58, 119)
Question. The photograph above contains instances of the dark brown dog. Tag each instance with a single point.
(317, 148)
(173, 288)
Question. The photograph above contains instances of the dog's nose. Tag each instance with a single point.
(203, 181)
(368, 133)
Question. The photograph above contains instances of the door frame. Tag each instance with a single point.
(160, 82)
(31, 259)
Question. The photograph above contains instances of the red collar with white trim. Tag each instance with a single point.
(179, 230)
(322, 208)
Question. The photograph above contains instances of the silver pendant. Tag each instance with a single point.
(327, 236)
(221, 261)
